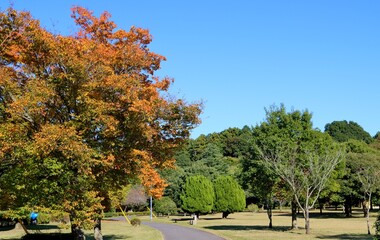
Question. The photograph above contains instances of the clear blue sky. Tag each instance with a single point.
(242, 56)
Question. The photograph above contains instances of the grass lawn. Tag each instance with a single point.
(111, 230)
(246, 225)
(239, 226)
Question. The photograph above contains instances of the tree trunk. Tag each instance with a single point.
(76, 230)
(320, 203)
(365, 208)
(368, 225)
(367, 214)
(21, 224)
(225, 214)
(98, 230)
(347, 206)
(269, 213)
(307, 220)
(306, 210)
(294, 215)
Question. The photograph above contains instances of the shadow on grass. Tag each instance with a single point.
(181, 219)
(316, 215)
(7, 228)
(347, 236)
(245, 228)
(42, 227)
(48, 236)
(286, 228)
(67, 236)
(115, 237)
(30, 227)
(210, 218)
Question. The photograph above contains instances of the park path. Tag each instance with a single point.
(175, 232)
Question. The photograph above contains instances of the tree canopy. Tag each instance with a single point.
(342, 131)
(83, 114)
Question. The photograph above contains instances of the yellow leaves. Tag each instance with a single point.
(86, 209)
(168, 164)
(12, 136)
(32, 102)
(58, 138)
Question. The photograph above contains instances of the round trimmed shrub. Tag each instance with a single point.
(135, 222)
(165, 206)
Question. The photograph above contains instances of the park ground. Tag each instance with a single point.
(239, 226)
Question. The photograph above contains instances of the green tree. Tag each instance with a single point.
(366, 166)
(197, 195)
(301, 156)
(342, 131)
(350, 184)
(258, 179)
(229, 196)
(165, 205)
(377, 135)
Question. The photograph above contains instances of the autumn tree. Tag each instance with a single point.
(83, 114)
(302, 157)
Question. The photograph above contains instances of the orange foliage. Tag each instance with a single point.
(90, 103)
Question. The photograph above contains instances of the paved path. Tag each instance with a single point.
(175, 232)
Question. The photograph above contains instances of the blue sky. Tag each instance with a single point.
(242, 56)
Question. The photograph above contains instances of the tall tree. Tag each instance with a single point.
(258, 179)
(229, 196)
(83, 114)
(366, 166)
(303, 157)
(351, 186)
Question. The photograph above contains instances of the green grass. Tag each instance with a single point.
(111, 230)
(246, 225)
